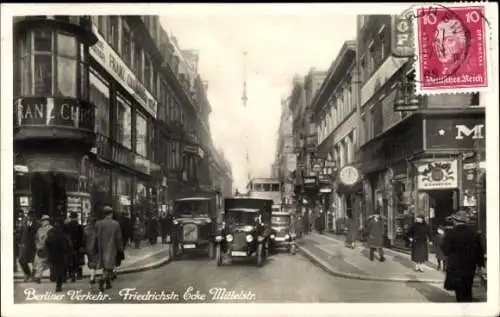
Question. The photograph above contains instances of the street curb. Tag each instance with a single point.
(147, 267)
(325, 266)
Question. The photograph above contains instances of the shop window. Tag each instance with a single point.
(141, 135)
(99, 96)
(123, 122)
(275, 187)
(52, 63)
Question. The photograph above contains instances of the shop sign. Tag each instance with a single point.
(438, 175)
(462, 133)
(402, 36)
(59, 111)
(112, 62)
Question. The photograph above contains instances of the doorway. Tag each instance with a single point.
(49, 195)
(444, 203)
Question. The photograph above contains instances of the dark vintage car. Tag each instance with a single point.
(194, 225)
(283, 235)
(247, 230)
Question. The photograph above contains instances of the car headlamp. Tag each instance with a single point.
(219, 238)
(176, 222)
(249, 238)
(287, 236)
(272, 236)
(229, 238)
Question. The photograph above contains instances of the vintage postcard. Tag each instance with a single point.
(254, 159)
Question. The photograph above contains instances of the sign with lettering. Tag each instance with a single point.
(59, 111)
(104, 54)
(438, 175)
(402, 36)
(460, 133)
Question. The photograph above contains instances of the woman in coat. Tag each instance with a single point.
(91, 250)
(419, 235)
(465, 253)
(351, 232)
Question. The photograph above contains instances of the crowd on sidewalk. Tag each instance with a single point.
(62, 245)
(459, 248)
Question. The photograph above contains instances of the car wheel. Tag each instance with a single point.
(211, 251)
(260, 253)
(218, 255)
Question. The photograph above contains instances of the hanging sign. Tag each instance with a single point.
(438, 175)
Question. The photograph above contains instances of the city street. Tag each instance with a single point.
(284, 278)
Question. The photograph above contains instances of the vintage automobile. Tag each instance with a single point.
(283, 235)
(194, 225)
(246, 231)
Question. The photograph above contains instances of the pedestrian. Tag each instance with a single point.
(464, 251)
(27, 246)
(74, 231)
(351, 232)
(137, 232)
(41, 262)
(419, 235)
(58, 248)
(125, 226)
(17, 239)
(374, 231)
(163, 227)
(91, 248)
(438, 236)
(109, 241)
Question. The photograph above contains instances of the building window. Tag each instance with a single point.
(147, 71)
(362, 68)
(99, 96)
(49, 64)
(127, 44)
(377, 119)
(381, 46)
(141, 134)
(371, 59)
(123, 122)
(138, 62)
(101, 24)
(113, 31)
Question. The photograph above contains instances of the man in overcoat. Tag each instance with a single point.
(110, 243)
(464, 251)
(74, 231)
(27, 247)
(375, 230)
(59, 252)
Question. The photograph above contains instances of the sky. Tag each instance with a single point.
(279, 45)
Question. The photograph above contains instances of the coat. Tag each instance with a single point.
(464, 251)
(74, 231)
(40, 238)
(375, 231)
(438, 240)
(420, 233)
(109, 242)
(351, 230)
(58, 248)
(126, 227)
(91, 247)
(27, 248)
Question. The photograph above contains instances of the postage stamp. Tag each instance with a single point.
(451, 48)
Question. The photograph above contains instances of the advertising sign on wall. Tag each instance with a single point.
(438, 175)
(402, 36)
(457, 133)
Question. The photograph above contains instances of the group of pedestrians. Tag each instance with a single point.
(459, 248)
(61, 246)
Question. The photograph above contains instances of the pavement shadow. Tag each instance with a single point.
(403, 261)
(431, 293)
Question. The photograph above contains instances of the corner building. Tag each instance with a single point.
(108, 111)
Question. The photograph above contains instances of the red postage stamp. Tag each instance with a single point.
(451, 49)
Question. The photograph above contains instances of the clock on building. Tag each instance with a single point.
(349, 175)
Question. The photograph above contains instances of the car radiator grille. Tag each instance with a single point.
(239, 242)
(190, 232)
(280, 233)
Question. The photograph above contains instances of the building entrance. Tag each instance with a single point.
(49, 194)
(443, 204)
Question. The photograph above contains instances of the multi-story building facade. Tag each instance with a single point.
(412, 161)
(107, 112)
(334, 110)
(286, 159)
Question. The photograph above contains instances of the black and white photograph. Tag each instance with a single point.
(314, 154)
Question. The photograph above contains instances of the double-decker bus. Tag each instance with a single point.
(267, 188)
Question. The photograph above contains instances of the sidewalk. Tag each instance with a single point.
(136, 260)
(329, 252)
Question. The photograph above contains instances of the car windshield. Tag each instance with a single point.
(241, 217)
(191, 208)
(281, 220)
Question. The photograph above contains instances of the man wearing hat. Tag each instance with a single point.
(41, 262)
(74, 231)
(463, 249)
(110, 243)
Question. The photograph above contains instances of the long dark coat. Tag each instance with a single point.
(375, 231)
(352, 230)
(464, 251)
(58, 248)
(74, 231)
(126, 227)
(27, 247)
(109, 242)
(420, 233)
(91, 247)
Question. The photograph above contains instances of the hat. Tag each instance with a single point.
(73, 215)
(460, 216)
(107, 210)
(45, 217)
